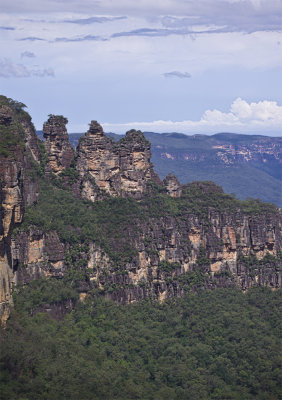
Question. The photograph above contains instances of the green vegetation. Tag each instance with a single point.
(216, 345)
(252, 263)
(80, 221)
(12, 135)
(10, 140)
(17, 108)
(168, 267)
(115, 222)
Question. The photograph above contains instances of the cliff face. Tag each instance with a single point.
(169, 252)
(36, 254)
(166, 255)
(19, 187)
(58, 148)
(117, 169)
(168, 244)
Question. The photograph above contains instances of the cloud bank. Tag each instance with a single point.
(243, 117)
(231, 15)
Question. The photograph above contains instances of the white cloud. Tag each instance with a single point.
(9, 69)
(243, 117)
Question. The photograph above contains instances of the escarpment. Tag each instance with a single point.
(103, 211)
(19, 153)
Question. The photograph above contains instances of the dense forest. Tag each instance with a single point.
(220, 344)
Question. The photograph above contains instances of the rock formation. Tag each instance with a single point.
(117, 169)
(167, 249)
(58, 148)
(172, 185)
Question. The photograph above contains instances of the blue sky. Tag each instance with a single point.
(192, 66)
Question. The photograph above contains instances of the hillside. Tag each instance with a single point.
(246, 165)
(115, 284)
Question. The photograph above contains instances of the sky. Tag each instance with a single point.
(191, 66)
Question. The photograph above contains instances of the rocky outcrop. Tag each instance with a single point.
(116, 169)
(172, 185)
(58, 148)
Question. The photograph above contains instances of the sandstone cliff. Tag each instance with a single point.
(19, 186)
(141, 250)
(147, 238)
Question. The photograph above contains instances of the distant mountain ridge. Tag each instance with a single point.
(246, 165)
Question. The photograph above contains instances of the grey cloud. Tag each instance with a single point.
(27, 54)
(32, 39)
(7, 28)
(9, 69)
(177, 74)
(93, 20)
(81, 39)
(151, 32)
(190, 26)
